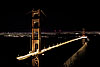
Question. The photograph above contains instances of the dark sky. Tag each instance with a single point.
(19, 19)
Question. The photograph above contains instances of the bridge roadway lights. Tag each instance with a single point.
(46, 49)
(43, 54)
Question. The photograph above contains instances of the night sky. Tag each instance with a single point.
(65, 19)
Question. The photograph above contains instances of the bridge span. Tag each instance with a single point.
(49, 48)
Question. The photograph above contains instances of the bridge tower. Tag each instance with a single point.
(36, 36)
(83, 34)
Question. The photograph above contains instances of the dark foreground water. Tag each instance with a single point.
(10, 48)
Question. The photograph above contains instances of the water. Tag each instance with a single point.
(12, 47)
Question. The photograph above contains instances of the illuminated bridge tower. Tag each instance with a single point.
(83, 34)
(36, 36)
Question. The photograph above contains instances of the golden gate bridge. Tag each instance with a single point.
(36, 41)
